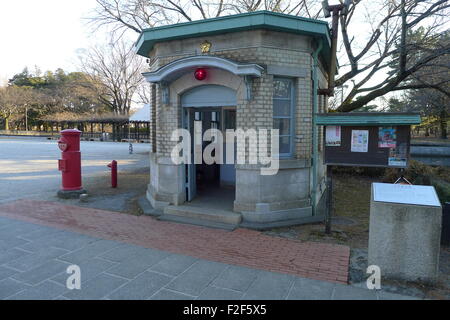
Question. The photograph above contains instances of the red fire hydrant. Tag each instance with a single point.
(70, 164)
(113, 166)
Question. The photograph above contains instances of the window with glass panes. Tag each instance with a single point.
(283, 113)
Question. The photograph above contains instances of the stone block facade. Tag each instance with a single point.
(280, 55)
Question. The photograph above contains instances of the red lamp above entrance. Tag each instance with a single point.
(200, 74)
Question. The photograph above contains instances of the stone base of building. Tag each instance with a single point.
(147, 208)
(250, 220)
(281, 223)
(258, 220)
(263, 218)
(165, 185)
(263, 201)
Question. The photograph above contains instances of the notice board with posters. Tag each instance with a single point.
(369, 140)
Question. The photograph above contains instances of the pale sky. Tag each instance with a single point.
(48, 33)
(45, 33)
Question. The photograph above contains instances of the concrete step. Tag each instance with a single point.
(278, 224)
(147, 208)
(198, 222)
(205, 214)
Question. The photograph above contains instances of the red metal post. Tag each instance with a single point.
(70, 164)
(113, 166)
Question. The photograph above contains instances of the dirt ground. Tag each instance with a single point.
(350, 222)
(132, 184)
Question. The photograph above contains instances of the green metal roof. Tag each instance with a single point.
(234, 23)
(366, 119)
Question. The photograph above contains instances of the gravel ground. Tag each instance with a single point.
(28, 169)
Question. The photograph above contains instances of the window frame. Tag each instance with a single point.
(291, 117)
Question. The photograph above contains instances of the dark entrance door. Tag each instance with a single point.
(202, 176)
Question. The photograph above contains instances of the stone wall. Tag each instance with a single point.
(281, 55)
(266, 48)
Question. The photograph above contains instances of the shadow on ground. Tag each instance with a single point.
(132, 185)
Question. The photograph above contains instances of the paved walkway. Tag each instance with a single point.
(241, 247)
(34, 260)
(28, 162)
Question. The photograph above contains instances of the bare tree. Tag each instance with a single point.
(388, 55)
(136, 15)
(433, 100)
(115, 71)
(13, 100)
(374, 51)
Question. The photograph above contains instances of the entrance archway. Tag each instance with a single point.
(209, 95)
(211, 106)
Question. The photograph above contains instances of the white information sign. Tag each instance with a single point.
(333, 136)
(360, 141)
(407, 194)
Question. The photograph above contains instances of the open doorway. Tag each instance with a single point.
(210, 185)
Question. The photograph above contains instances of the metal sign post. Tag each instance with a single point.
(329, 211)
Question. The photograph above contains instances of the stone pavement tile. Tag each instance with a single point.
(6, 272)
(11, 242)
(96, 288)
(241, 247)
(195, 279)
(46, 290)
(346, 292)
(64, 240)
(91, 250)
(35, 259)
(42, 272)
(236, 278)
(309, 289)
(42, 232)
(135, 265)
(6, 221)
(165, 294)
(8, 287)
(383, 295)
(268, 286)
(143, 287)
(40, 244)
(4, 226)
(174, 264)
(123, 252)
(14, 230)
(12, 254)
(214, 293)
(89, 269)
(71, 241)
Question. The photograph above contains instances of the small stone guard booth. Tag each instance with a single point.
(257, 70)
